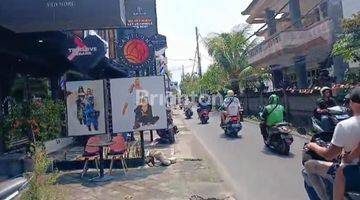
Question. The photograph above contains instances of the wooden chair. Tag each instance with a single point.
(91, 153)
(118, 150)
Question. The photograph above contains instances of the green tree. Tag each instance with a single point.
(349, 44)
(251, 77)
(189, 84)
(215, 79)
(229, 51)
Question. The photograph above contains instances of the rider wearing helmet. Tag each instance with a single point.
(326, 101)
(231, 106)
(273, 114)
(204, 104)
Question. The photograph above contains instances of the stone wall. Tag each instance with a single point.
(299, 107)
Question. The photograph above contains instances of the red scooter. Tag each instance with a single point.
(204, 116)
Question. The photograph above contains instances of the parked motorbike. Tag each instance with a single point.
(336, 114)
(232, 126)
(188, 113)
(168, 135)
(204, 116)
(279, 138)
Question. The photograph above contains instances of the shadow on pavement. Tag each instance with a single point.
(118, 176)
(223, 136)
(272, 152)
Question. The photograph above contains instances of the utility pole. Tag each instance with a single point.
(183, 72)
(198, 52)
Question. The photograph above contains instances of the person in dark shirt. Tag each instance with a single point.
(326, 101)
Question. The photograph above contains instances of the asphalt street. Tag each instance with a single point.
(253, 170)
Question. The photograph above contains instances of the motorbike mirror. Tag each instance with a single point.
(302, 131)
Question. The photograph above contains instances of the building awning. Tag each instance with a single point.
(37, 54)
(108, 68)
(47, 54)
(249, 8)
(24, 16)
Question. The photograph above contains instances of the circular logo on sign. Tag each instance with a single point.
(136, 51)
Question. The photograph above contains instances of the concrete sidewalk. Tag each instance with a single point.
(194, 176)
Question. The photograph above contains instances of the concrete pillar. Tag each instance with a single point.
(295, 14)
(335, 13)
(271, 21)
(277, 78)
(300, 69)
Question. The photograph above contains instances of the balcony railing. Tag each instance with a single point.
(290, 39)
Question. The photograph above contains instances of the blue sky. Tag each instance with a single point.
(177, 20)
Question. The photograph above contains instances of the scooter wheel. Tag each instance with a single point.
(171, 137)
(284, 148)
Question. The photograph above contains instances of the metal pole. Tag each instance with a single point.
(142, 146)
(151, 136)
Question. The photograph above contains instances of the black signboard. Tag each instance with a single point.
(141, 15)
(86, 53)
(54, 15)
(136, 52)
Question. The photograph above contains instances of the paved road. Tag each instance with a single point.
(253, 170)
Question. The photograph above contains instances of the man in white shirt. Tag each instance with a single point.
(230, 107)
(346, 138)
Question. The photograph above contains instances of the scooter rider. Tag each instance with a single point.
(204, 104)
(273, 114)
(345, 139)
(187, 103)
(230, 107)
(326, 101)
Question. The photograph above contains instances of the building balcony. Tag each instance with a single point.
(280, 48)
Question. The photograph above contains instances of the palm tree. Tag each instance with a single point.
(229, 51)
(252, 78)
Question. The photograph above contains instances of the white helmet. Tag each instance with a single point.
(230, 93)
(322, 91)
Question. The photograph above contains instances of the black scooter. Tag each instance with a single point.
(167, 136)
(280, 138)
(188, 113)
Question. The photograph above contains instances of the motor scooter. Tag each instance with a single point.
(279, 138)
(336, 114)
(188, 113)
(232, 126)
(168, 135)
(204, 116)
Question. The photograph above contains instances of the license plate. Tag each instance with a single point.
(235, 125)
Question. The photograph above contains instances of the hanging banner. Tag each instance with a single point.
(141, 15)
(85, 108)
(138, 104)
(159, 41)
(56, 15)
(136, 52)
